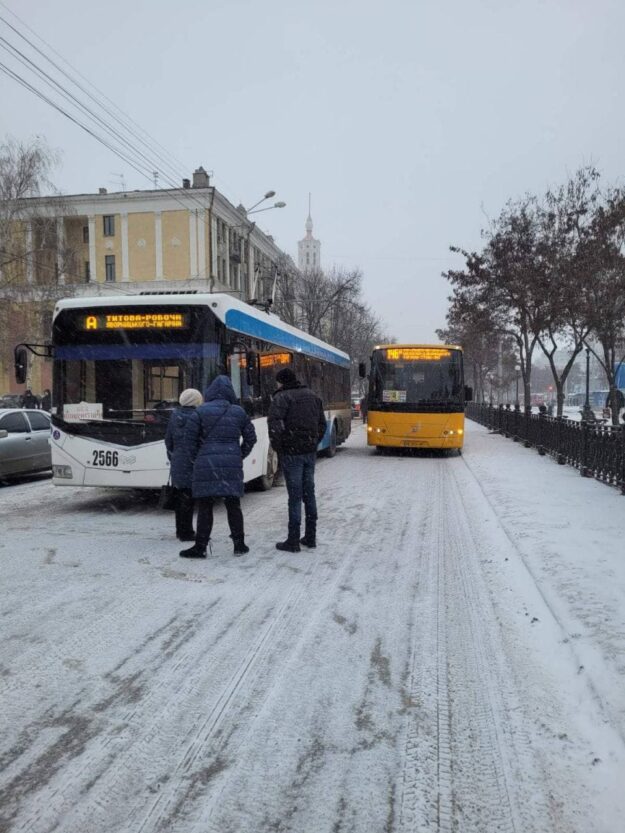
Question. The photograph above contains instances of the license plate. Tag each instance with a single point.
(413, 443)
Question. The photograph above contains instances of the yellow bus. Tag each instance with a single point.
(416, 396)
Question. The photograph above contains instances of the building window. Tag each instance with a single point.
(109, 225)
(109, 268)
(85, 234)
(87, 272)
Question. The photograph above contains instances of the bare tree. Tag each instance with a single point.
(33, 256)
(331, 307)
(601, 257)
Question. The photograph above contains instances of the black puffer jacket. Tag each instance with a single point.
(296, 420)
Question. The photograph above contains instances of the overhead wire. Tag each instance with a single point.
(27, 85)
(90, 84)
(69, 97)
(113, 140)
(190, 198)
(124, 152)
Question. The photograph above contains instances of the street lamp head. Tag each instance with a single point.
(269, 208)
(268, 196)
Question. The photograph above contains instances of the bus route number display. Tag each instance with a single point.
(417, 354)
(135, 321)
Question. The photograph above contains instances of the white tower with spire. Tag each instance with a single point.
(309, 249)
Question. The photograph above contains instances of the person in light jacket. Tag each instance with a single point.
(218, 437)
(181, 463)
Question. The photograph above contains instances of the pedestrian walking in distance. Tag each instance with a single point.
(297, 424)
(218, 436)
(46, 400)
(181, 462)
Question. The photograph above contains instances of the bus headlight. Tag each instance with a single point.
(64, 472)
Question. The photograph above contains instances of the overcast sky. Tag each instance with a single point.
(409, 121)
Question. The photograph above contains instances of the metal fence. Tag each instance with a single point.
(597, 450)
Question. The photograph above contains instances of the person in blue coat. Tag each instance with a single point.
(181, 463)
(218, 437)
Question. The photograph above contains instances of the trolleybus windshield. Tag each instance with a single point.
(130, 364)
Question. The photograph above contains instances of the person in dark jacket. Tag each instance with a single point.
(46, 400)
(181, 462)
(297, 424)
(213, 440)
(29, 400)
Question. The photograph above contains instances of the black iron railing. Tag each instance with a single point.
(597, 450)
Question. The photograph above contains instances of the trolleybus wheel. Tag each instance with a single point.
(331, 449)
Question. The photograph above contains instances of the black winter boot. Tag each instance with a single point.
(240, 548)
(196, 551)
(310, 535)
(290, 545)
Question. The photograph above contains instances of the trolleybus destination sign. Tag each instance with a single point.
(135, 321)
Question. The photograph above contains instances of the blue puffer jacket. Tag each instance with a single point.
(213, 438)
(177, 450)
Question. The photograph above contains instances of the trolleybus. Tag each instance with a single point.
(120, 364)
(416, 396)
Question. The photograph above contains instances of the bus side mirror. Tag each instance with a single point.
(362, 370)
(468, 393)
(21, 364)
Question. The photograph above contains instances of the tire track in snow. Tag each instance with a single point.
(220, 737)
(468, 765)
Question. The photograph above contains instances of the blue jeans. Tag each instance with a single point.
(299, 474)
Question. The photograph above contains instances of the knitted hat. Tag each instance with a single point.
(190, 397)
(286, 377)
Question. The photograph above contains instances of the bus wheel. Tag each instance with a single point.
(265, 481)
(331, 449)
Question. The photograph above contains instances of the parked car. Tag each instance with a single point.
(24, 442)
(11, 400)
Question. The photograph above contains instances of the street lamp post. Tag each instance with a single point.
(587, 412)
(517, 404)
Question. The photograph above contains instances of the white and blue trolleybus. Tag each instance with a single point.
(120, 364)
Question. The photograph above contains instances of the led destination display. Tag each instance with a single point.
(135, 321)
(417, 354)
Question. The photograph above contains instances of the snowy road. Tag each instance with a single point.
(450, 658)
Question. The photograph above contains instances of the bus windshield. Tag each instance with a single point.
(405, 378)
(131, 364)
